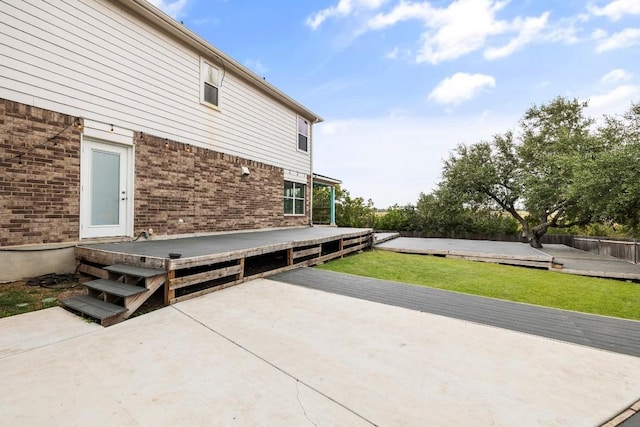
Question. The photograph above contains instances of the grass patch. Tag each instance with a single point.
(19, 298)
(540, 287)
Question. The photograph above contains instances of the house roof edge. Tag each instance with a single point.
(146, 10)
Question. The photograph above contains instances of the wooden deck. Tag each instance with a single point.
(198, 265)
(510, 253)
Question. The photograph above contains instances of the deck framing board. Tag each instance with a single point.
(104, 257)
(194, 279)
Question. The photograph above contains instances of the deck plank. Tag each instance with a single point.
(134, 271)
(115, 288)
(93, 307)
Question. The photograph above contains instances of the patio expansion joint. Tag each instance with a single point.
(46, 345)
(281, 369)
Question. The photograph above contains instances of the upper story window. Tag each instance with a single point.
(209, 84)
(303, 134)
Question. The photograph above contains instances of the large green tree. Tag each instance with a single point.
(531, 174)
(608, 183)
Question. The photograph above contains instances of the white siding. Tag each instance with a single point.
(91, 59)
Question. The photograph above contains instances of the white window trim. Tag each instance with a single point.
(203, 64)
(308, 151)
(304, 199)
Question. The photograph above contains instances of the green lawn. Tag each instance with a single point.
(547, 288)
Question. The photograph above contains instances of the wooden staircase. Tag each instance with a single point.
(116, 297)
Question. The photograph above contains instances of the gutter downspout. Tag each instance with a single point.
(311, 167)
(332, 206)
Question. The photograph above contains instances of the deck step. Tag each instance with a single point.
(93, 307)
(134, 271)
(112, 287)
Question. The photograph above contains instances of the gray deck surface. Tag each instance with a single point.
(479, 247)
(222, 243)
(633, 421)
(576, 259)
(617, 335)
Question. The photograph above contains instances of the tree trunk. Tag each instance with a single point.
(535, 235)
(535, 241)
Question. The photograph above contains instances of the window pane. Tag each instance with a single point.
(288, 206)
(299, 191)
(105, 186)
(302, 142)
(211, 75)
(299, 206)
(303, 126)
(210, 94)
(288, 189)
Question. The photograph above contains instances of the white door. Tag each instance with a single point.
(105, 202)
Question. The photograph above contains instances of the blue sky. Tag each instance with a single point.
(401, 83)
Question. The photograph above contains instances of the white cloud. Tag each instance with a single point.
(392, 54)
(460, 87)
(342, 9)
(398, 53)
(625, 38)
(529, 29)
(173, 8)
(460, 28)
(599, 34)
(463, 26)
(616, 9)
(403, 11)
(616, 76)
(613, 102)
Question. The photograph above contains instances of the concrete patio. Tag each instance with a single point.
(270, 353)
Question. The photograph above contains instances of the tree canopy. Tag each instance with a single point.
(556, 171)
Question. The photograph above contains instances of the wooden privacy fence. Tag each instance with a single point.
(623, 249)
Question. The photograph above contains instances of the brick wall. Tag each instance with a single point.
(206, 190)
(40, 184)
(39, 179)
